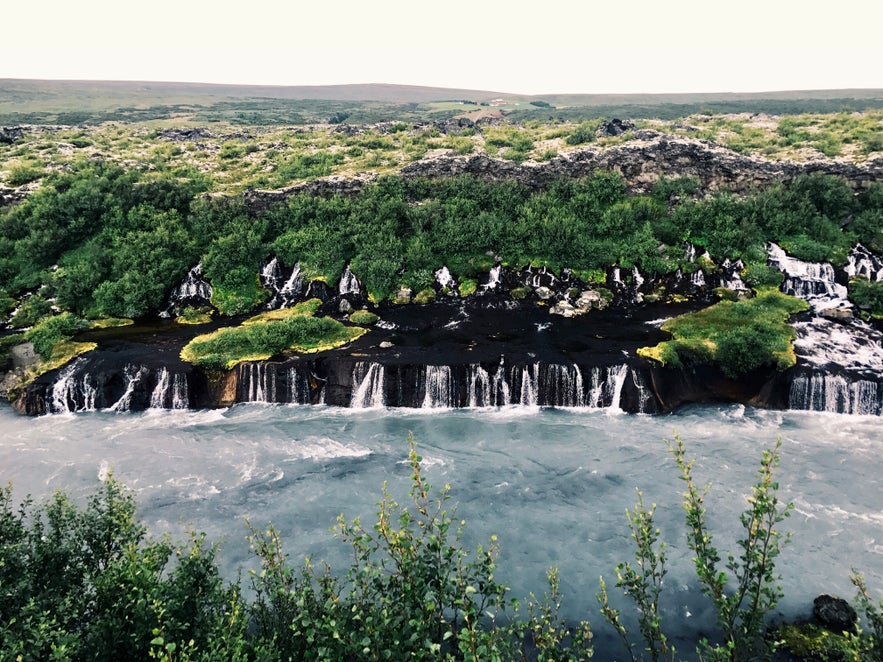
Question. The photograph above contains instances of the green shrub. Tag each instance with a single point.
(52, 330)
(749, 589)
(32, 310)
(867, 295)
(22, 174)
(759, 274)
(584, 133)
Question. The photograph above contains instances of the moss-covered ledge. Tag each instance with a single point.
(266, 335)
(735, 336)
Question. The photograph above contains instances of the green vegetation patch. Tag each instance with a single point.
(363, 317)
(268, 334)
(112, 322)
(738, 336)
(54, 330)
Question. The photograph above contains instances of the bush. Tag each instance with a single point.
(52, 330)
(23, 174)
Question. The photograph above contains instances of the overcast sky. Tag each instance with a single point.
(529, 47)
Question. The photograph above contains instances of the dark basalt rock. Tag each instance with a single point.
(614, 127)
(643, 160)
(835, 614)
(10, 134)
(185, 134)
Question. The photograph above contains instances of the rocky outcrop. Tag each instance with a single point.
(644, 160)
(259, 200)
(10, 134)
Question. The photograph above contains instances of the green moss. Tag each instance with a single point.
(468, 287)
(737, 336)
(425, 296)
(520, 293)
(268, 334)
(194, 316)
(111, 322)
(808, 641)
(363, 317)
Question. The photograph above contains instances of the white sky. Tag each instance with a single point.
(517, 46)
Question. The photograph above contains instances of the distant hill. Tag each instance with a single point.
(90, 102)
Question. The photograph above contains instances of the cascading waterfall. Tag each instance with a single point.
(368, 381)
(445, 280)
(493, 278)
(298, 387)
(814, 281)
(862, 262)
(73, 391)
(851, 344)
(438, 388)
(259, 382)
(133, 376)
(836, 393)
(479, 386)
(170, 392)
(193, 290)
(561, 386)
(644, 394)
(349, 284)
(292, 288)
(529, 391)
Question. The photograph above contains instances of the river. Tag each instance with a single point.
(552, 484)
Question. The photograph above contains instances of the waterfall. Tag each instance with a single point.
(493, 278)
(529, 390)
(644, 393)
(367, 386)
(292, 288)
(604, 389)
(349, 284)
(170, 392)
(618, 375)
(561, 386)
(438, 387)
(689, 252)
(637, 278)
(133, 376)
(158, 397)
(697, 278)
(298, 387)
(814, 281)
(258, 382)
(445, 280)
(71, 391)
(193, 290)
(820, 391)
(479, 386)
(864, 263)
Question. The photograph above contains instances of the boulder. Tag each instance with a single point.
(614, 127)
(833, 613)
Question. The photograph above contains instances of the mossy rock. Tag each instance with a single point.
(520, 293)
(363, 317)
(425, 296)
(810, 642)
(468, 287)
